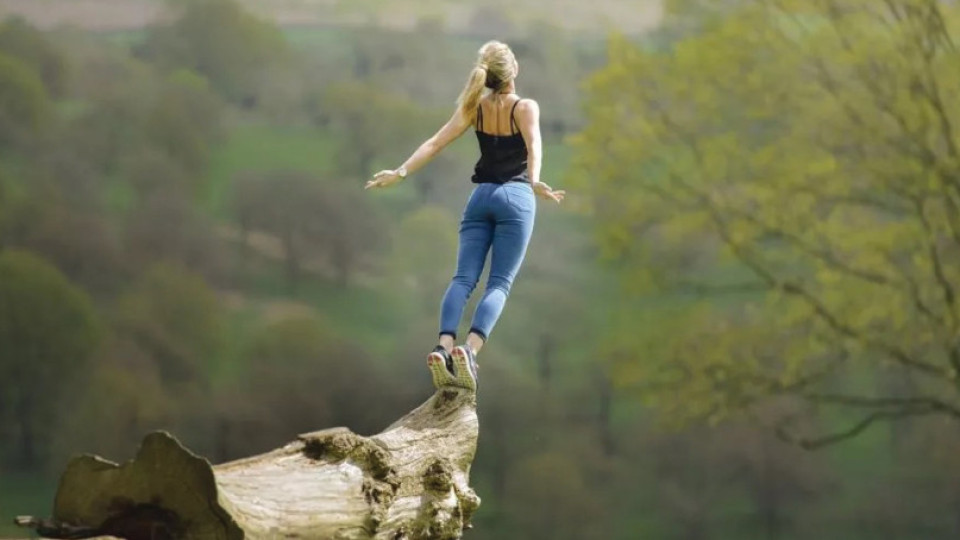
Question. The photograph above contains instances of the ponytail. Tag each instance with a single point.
(470, 97)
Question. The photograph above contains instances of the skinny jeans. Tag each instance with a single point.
(498, 218)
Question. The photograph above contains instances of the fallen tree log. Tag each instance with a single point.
(410, 481)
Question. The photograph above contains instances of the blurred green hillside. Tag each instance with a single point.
(493, 16)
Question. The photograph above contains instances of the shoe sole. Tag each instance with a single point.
(438, 370)
(466, 377)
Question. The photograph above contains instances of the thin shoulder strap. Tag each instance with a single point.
(513, 123)
(479, 117)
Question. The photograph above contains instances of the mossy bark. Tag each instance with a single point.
(410, 481)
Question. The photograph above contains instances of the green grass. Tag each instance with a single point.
(24, 494)
(359, 312)
(258, 147)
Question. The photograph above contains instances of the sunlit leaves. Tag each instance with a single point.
(805, 149)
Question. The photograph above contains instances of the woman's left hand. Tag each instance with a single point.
(383, 179)
(544, 191)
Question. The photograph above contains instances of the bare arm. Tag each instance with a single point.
(528, 119)
(454, 128)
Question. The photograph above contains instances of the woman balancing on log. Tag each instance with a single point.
(500, 211)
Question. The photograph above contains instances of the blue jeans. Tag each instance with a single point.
(498, 217)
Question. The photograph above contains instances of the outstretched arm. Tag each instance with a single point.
(454, 128)
(528, 119)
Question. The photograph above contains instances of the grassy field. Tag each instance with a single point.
(22, 494)
(258, 147)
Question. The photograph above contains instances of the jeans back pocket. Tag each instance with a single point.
(520, 196)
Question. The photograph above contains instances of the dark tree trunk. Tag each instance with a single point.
(292, 259)
(28, 447)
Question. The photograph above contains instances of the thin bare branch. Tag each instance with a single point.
(869, 402)
(858, 428)
(947, 290)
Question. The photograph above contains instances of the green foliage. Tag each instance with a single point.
(173, 315)
(144, 132)
(124, 398)
(311, 219)
(186, 122)
(550, 67)
(421, 259)
(24, 104)
(806, 157)
(554, 494)
(24, 42)
(300, 373)
(81, 245)
(259, 148)
(217, 38)
(48, 334)
(372, 124)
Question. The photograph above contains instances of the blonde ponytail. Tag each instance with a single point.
(470, 96)
(496, 67)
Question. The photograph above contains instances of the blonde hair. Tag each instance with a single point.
(496, 67)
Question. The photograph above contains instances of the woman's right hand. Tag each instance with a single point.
(544, 191)
(383, 179)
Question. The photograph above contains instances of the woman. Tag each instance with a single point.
(500, 212)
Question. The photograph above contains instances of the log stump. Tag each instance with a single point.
(411, 481)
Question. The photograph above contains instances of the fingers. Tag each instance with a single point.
(544, 186)
(381, 179)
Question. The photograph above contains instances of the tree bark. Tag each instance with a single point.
(408, 482)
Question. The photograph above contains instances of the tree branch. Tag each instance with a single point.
(833, 438)
(947, 290)
(881, 402)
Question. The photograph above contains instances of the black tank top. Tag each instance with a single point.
(503, 158)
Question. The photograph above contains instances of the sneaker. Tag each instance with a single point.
(441, 367)
(465, 362)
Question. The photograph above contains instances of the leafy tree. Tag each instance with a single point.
(124, 399)
(166, 227)
(172, 315)
(285, 205)
(300, 374)
(82, 245)
(185, 121)
(799, 159)
(373, 124)
(424, 235)
(24, 104)
(550, 65)
(22, 41)
(220, 40)
(138, 133)
(48, 334)
(551, 499)
(330, 226)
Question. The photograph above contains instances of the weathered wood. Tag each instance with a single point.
(410, 481)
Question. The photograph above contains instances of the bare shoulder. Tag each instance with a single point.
(528, 112)
(528, 106)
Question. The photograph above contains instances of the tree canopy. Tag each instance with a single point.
(48, 334)
(799, 158)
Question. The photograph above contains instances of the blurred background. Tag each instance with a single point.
(743, 323)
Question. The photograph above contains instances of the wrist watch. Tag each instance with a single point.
(402, 172)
